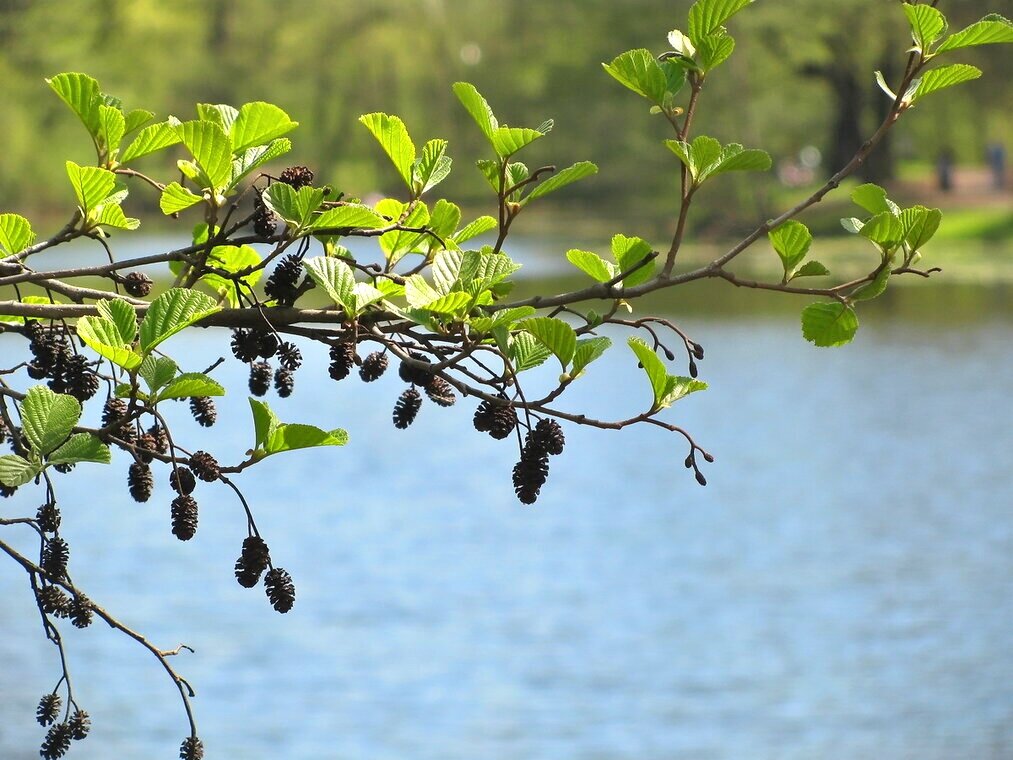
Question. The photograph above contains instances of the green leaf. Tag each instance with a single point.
(348, 217)
(157, 371)
(592, 265)
(232, 259)
(111, 215)
(884, 229)
(810, 269)
(706, 16)
(81, 93)
(943, 77)
(397, 243)
(418, 292)
(875, 288)
(638, 70)
(791, 241)
(920, 225)
(121, 314)
(873, 199)
(289, 437)
(527, 352)
(176, 198)
(448, 267)
(990, 30)
(732, 158)
(210, 147)
(81, 447)
(336, 279)
(443, 221)
(259, 123)
(16, 471)
(135, 119)
(477, 107)
(191, 384)
(628, 252)
(829, 324)
(679, 387)
(927, 25)
(296, 207)
(432, 167)
(174, 310)
(554, 334)
(653, 367)
(563, 178)
(473, 229)
(221, 114)
(103, 336)
(47, 418)
(587, 351)
(508, 140)
(393, 137)
(92, 185)
(448, 304)
(504, 318)
(257, 156)
(15, 234)
(112, 127)
(684, 153)
(265, 422)
(150, 139)
(715, 49)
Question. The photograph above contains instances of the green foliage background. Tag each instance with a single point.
(327, 62)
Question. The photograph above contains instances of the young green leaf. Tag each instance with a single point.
(927, 25)
(592, 265)
(563, 178)
(296, 207)
(829, 324)
(259, 123)
(884, 229)
(103, 336)
(432, 167)
(990, 30)
(555, 334)
(47, 418)
(654, 369)
(15, 234)
(257, 156)
(112, 127)
(336, 279)
(791, 241)
(477, 107)
(81, 447)
(348, 217)
(639, 70)
(210, 147)
(265, 422)
(176, 198)
(393, 137)
(875, 288)
(920, 225)
(92, 185)
(111, 215)
(526, 351)
(810, 269)
(81, 93)
(174, 310)
(150, 139)
(630, 252)
(706, 16)
(16, 471)
(232, 259)
(943, 77)
(873, 199)
(221, 114)
(135, 119)
(121, 314)
(157, 371)
(715, 49)
(679, 387)
(289, 437)
(473, 229)
(191, 384)
(508, 140)
(588, 349)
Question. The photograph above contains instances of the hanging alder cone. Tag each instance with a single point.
(55, 556)
(280, 589)
(57, 742)
(260, 378)
(406, 408)
(289, 356)
(48, 517)
(184, 517)
(245, 345)
(264, 221)
(531, 472)
(53, 601)
(80, 611)
(414, 374)
(297, 176)
(81, 382)
(139, 481)
(192, 748)
(147, 445)
(160, 437)
(205, 466)
(48, 709)
(80, 725)
(267, 344)
(550, 436)
(181, 480)
(498, 420)
(373, 367)
(342, 359)
(203, 410)
(252, 562)
(440, 392)
(283, 284)
(137, 284)
(284, 382)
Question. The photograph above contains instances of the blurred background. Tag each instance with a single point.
(841, 589)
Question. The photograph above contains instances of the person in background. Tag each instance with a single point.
(995, 155)
(944, 169)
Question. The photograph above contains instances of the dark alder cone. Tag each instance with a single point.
(63, 468)
(282, 285)
(550, 436)
(289, 356)
(55, 556)
(264, 221)
(530, 473)
(267, 344)
(192, 748)
(48, 709)
(700, 478)
(280, 589)
(440, 392)
(36, 371)
(181, 480)
(406, 408)
(7, 491)
(147, 445)
(48, 517)
(81, 381)
(373, 366)
(184, 517)
(115, 410)
(137, 284)
(160, 437)
(284, 382)
(342, 359)
(260, 378)
(498, 420)
(245, 345)
(252, 562)
(53, 601)
(698, 351)
(80, 611)
(415, 375)
(205, 466)
(57, 742)
(203, 410)
(296, 176)
(140, 482)
(80, 725)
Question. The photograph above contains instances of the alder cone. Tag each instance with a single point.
(137, 284)
(440, 392)
(289, 356)
(80, 725)
(260, 378)
(280, 589)
(406, 408)
(55, 556)
(181, 480)
(498, 420)
(57, 742)
(53, 601)
(48, 709)
(192, 748)
(203, 410)
(140, 481)
(80, 611)
(205, 466)
(373, 367)
(184, 517)
(342, 360)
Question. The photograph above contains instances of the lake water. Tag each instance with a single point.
(842, 589)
